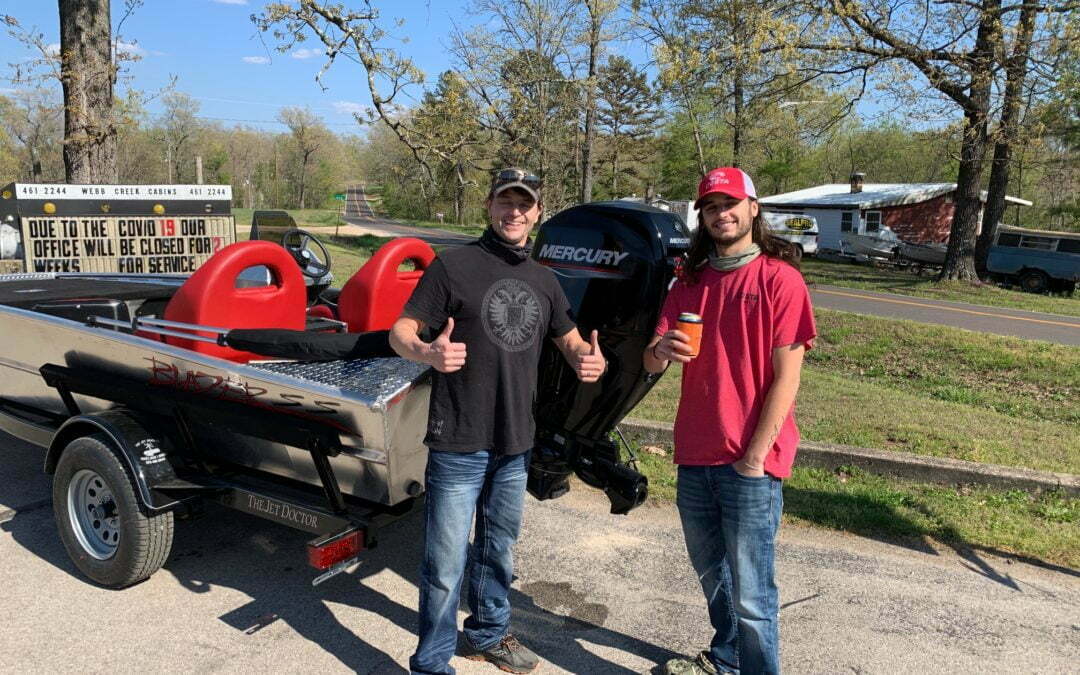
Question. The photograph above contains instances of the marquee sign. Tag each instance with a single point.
(148, 245)
(114, 192)
(143, 229)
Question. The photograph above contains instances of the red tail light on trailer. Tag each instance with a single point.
(325, 553)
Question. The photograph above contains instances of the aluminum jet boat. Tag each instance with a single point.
(240, 383)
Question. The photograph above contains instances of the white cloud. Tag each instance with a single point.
(52, 49)
(130, 49)
(256, 59)
(7, 91)
(350, 108)
(305, 53)
(231, 2)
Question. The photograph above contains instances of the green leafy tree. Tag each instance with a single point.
(627, 111)
(308, 136)
(449, 117)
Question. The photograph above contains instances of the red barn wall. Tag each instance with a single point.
(922, 222)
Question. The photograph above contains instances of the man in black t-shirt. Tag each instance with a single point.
(491, 306)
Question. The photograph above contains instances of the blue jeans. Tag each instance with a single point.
(459, 486)
(730, 524)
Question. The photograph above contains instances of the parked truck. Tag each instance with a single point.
(1036, 260)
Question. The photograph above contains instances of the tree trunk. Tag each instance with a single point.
(303, 176)
(1016, 73)
(960, 256)
(702, 169)
(590, 109)
(615, 170)
(738, 106)
(87, 73)
(459, 197)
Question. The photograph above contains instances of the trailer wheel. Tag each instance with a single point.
(97, 513)
(1034, 281)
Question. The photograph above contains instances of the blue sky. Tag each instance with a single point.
(236, 73)
(220, 58)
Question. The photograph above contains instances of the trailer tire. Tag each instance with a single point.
(105, 533)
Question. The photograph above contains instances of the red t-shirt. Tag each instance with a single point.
(746, 314)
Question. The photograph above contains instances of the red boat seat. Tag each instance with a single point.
(210, 297)
(374, 297)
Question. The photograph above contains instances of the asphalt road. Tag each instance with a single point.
(1015, 322)
(358, 213)
(595, 594)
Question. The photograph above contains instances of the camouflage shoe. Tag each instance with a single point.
(509, 655)
(699, 665)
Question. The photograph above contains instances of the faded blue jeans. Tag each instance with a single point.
(460, 485)
(730, 524)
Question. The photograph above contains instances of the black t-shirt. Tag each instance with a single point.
(503, 310)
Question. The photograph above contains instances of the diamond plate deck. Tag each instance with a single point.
(374, 381)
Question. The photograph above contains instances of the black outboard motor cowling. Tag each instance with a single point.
(615, 261)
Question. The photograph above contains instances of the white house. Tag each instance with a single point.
(916, 212)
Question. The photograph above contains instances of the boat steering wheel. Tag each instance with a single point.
(308, 252)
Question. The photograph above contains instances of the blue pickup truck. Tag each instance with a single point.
(1037, 260)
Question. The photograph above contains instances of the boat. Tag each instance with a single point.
(881, 244)
(230, 386)
(924, 254)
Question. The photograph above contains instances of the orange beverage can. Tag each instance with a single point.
(690, 324)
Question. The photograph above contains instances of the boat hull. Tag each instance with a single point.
(378, 406)
(927, 254)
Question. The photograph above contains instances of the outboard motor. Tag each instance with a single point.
(615, 261)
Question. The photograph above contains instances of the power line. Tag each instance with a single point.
(230, 119)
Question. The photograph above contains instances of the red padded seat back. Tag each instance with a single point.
(374, 297)
(210, 297)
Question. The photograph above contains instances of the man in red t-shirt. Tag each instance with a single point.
(735, 434)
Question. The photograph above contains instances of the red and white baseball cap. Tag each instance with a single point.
(727, 180)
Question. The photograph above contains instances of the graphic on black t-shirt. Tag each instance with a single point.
(511, 314)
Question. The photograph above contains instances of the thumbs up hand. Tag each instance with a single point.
(446, 356)
(591, 364)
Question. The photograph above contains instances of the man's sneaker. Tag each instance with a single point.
(699, 665)
(509, 655)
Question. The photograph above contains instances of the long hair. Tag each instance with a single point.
(701, 246)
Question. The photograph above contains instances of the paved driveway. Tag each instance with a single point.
(595, 594)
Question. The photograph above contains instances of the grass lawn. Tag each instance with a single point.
(471, 230)
(930, 390)
(889, 280)
(348, 253)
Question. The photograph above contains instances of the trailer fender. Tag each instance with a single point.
(145, 454)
